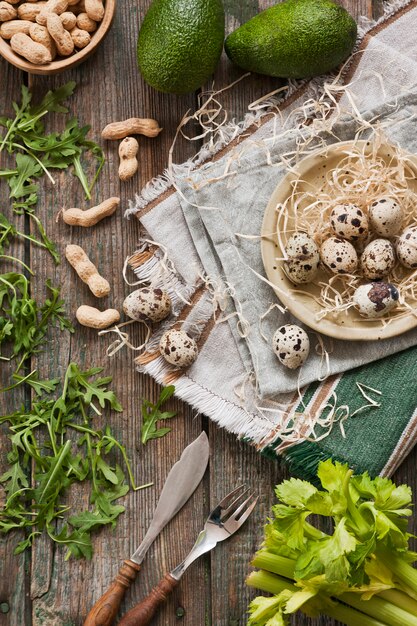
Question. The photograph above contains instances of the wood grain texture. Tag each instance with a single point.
(14, 580)
(212, 592)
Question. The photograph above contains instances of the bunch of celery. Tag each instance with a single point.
(361, 574)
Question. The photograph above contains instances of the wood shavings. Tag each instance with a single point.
(123, 338)
(364, 173)
(305, 426)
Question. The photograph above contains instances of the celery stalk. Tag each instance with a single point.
(275, 585)
(405, 573)
(265, 581)
(401, 599)
(381, 609)
(274, 563)
(376, 607)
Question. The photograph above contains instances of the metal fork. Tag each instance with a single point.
(224, 520)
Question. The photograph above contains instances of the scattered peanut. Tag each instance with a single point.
(7, 12)
(86, 23)
(80, 37)
(94, 9)
(14, 1)
(128, 150)
(87, 271)
(132, 126)
(29, 11)
(68, 19)
(93, 318)
(8, 29)
(34, 52)
(91, 217)
(52, 6)
(62, 38)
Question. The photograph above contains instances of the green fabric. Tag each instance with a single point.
(373, 433)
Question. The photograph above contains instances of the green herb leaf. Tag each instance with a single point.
(56, 437)
(24, 323)
(151, 414)
(38, 152)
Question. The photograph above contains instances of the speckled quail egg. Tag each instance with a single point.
(302, 258)
(386, 217)
(407, 248)
(178, 348)
(378, 259)
(147, 305)
(349, 221)
(339, 255)
(375, 299)
(291, 345)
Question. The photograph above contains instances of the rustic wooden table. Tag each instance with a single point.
(41, 588)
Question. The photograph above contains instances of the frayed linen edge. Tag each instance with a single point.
(225, 414)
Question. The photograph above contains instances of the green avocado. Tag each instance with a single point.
(294, 39)
(180, 43)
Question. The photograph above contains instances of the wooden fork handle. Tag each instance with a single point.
(142, 613)
(105, 609)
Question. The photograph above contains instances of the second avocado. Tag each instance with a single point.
(294, 39)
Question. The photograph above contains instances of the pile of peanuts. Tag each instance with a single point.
(40, 31)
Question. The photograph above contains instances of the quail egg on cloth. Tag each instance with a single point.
(178, 348)
(339, 255)
(386, 217)
(378, 259)
(147, 305)
(349, 221)
(291, 345)
(375, 299)
(407, 248)
(302, 258)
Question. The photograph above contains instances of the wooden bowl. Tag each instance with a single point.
(63, 63)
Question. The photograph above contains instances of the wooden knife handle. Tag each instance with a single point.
(142, 613)
(105, 610)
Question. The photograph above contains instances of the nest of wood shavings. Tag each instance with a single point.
(365, 172)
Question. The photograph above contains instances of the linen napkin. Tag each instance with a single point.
(367, 416)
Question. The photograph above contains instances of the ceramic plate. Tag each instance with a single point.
(347, 325)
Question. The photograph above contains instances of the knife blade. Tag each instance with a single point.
(181, 482)
(177, 489)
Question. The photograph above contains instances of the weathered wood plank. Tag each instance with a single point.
(110, 88)
(14, 604)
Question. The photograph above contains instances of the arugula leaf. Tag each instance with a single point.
(21, 185)
(8, 231)
(151, 415)
(39, 386)
(38, 152)
(24, 324)
(15, 478)
(56, 437)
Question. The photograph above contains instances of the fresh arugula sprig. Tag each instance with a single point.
(38, 152)
(151, 414)
(56, 435)
(8, 231)
(23, 322)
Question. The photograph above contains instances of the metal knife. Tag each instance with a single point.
(180, 484)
